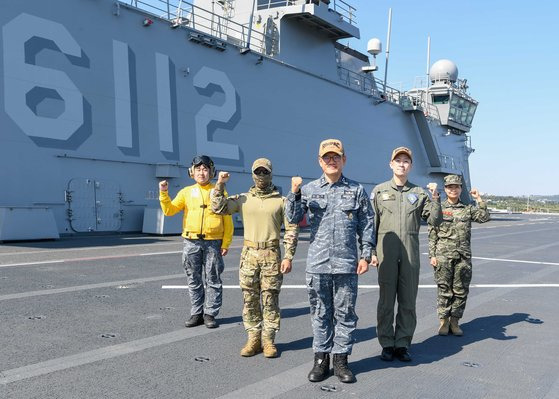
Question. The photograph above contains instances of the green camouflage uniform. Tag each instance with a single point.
(450, 244)
(259, 275)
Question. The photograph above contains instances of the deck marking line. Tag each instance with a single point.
(109, 352)
(511, 260)
(374, 286)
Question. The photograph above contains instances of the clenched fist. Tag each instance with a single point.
(163, 185)
(475, 193)
(296, 182)
(433, 189)
(223, 177)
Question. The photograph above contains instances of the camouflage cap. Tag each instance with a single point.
(262, 163)
(401, 150)
(331, 145)
(452, 179)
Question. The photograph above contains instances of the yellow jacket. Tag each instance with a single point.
(198, 218)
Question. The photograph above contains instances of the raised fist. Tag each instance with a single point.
(223, 177)
(432, 187)
(296, 182)
(163, 185)
(475, 193)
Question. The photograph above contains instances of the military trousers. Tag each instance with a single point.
(260, 279)
(453, 277)
(203, 265)
(332, 299)
(398, 277)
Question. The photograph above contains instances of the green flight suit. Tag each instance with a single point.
(398, 215)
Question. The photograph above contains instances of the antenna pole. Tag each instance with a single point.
(250, 25)
(428, 60)
(387, 47)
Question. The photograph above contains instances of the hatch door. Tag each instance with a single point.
(94, 205)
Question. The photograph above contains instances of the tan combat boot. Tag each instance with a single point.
(268, 346)
(443, 327)
(454, 327)
(253, 345)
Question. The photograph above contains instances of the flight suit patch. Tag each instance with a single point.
(412, 198)
(388, 197)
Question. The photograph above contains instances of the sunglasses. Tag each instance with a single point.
(261, 171)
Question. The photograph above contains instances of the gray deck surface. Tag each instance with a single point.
(87, 317)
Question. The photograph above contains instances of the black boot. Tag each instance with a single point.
(195, 320)
(341, 370)
(321, 367)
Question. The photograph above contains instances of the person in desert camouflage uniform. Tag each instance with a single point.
(451, 254)
(261, 267)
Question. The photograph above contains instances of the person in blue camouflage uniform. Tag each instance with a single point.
(338, 212)
(451, 253)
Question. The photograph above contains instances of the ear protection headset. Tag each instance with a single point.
(202, 160)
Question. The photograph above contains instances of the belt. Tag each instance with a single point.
(195, 236)
(261, 245)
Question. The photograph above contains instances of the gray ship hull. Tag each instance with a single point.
(97, 108)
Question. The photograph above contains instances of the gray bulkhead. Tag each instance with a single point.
(98, 105)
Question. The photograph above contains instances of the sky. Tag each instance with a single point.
(509, 52)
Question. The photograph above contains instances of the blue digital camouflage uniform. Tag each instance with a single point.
(338, 213)
(202, 262)
(450, 244)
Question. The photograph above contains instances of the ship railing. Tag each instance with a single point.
(417, 100)
(358, 81)
(342, 8)
(460, 85)
(185, 14)
(368, 85)
(345, 10)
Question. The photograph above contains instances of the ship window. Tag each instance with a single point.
(440, 99)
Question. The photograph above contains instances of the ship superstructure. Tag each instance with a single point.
(102, 99)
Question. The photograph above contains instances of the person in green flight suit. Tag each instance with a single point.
(399, 207)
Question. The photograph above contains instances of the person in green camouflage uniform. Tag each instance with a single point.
(451, 254)
(261, 267)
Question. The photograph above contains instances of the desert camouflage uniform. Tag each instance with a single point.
(259, 273)
(338, 213)
(450, 244)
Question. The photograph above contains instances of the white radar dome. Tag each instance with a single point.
(443, 70)
(374, 46)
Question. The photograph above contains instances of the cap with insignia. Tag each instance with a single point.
(401, 150)
(452, 179)
(331, 145)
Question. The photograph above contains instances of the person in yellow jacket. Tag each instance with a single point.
(207, 237)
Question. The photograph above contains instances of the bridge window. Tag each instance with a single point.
(440, 99)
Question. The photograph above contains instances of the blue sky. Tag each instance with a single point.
(509, 53)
